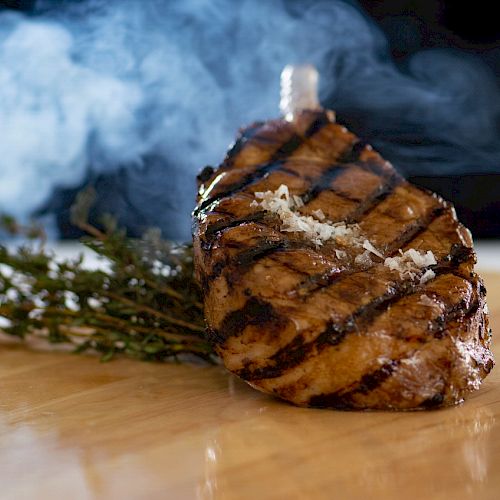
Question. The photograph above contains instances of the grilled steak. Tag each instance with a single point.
(384, 312)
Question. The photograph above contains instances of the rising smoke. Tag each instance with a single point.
(157, 89)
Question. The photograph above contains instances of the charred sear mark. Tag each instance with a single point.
(219, 226)
(205, 174)
(296, 140)
(217, 269)
(433, 402)
(292, 355)
(345, 399)
(322, 182)
(252, 255)
(374, 199)
(371, 381)
(333, 335)
(360, 320)
(285, 150)
(414, 229)
(377, 168)
(255, 312)
(318, 281)
(288, 357)
(254, 176)
(439, 325)
(353, 154)
(238, 265)
(459, 253)
(317, 125)
(245, 136)
(247, 259)
(276, 162)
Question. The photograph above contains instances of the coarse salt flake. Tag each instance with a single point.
(368, 246)
(409, 263)
(316, 228)
(427, 276)
(319, 214)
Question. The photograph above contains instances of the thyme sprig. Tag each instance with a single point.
(144, 303)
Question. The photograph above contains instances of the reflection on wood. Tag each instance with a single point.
(71, 427)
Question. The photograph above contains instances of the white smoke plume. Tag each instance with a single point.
(159, 89)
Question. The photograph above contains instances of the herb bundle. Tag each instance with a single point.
(145, 303)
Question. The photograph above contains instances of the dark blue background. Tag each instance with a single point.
(410, 26)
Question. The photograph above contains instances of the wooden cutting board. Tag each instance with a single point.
(74, 428)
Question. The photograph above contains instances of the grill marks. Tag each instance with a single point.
(285, 150)
(345, 398)
(246, 135)
(321, 121)
(412, 231)
(255, 312)
(249, 257)
(278, 162)
(254, 176)
(352, 155)
(438, 327)
(294, 353)
(316, 283)
(291, 323)
(323, 182)
(296, 140)
(297, 350)
(275, 162)
(219, 226)
(374, 199)
(458, 253)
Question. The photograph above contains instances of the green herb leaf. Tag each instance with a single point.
(146, 305)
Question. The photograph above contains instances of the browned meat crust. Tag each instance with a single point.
(311, 325)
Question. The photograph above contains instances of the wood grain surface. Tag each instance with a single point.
(74, 428)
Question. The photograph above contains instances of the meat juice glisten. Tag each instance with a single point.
(328, 279)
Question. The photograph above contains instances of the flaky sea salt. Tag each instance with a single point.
(364, 259)
(340, 254)
(319, 214)
(409, 264)
(368, 246)
(316, 228)
(319, 229)
(427, 276)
